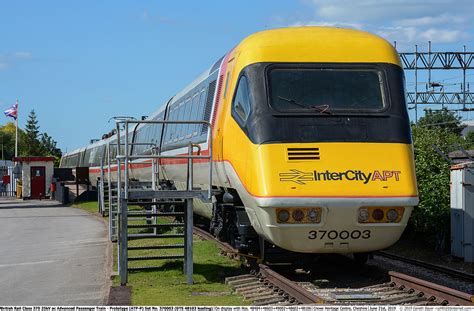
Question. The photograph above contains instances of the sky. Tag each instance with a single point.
(79, 63)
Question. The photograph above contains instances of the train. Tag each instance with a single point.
(312, 149)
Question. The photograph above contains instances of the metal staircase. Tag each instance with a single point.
(151, 221)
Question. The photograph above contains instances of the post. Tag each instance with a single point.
(188, 269)
(123, 254)
(16, 129)
(154, 186)
(416, 83)
(101, 188)
(109, 184)
(464, 67)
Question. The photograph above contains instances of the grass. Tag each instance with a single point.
(167, 285)
(90, 207)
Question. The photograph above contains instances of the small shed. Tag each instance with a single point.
(462, 211)
(37, 174)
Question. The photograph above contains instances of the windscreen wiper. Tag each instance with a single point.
(318, 108)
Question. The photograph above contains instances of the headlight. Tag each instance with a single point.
(313, 215)
(363, 215)
(377, 214)
(298, 215)
(380, 214)
(392, 215)
(283, 215)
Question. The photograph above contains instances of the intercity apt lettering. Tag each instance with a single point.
(357, 175)
(301, 178)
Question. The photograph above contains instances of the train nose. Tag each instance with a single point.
(336, 228)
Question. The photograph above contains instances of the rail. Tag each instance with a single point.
(435, 291)
(449, 271)
(289, 287)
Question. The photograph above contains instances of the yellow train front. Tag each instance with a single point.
(312, 138)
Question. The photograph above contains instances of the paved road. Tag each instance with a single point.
(51, 255)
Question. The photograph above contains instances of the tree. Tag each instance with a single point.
(469, 140)
(49, 148)
(7, 140)
(39, 144)
(442, 119)
(33, 145)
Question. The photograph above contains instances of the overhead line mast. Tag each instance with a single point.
(415, 61)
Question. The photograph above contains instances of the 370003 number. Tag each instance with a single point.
(343, 235)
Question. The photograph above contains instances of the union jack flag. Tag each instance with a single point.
(12, 111)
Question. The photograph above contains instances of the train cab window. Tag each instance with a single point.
(326, 90)
(241, 104)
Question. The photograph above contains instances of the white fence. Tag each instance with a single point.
(7, 184)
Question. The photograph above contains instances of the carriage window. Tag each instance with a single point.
(241, 104)
(172, 127)
(200, 114)
(180, 117)
(325, 90)
(187, 116)
(192, 127)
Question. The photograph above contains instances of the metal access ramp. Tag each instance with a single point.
(159, 236)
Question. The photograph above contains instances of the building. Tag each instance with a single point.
(36, 176)
(469, 127)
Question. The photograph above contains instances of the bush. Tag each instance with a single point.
(431, 219)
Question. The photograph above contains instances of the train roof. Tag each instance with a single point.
(315, 44)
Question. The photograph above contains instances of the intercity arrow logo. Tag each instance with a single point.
(297, 176)
(301, 178)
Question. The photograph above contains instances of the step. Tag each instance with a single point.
(147, 268)
(145, 214)
(161, 202)
(164, 246)
(162, 257)
(167, 194)
(154, 236)
(168, 225)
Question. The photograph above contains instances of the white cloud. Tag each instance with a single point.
(431, 20)
(328, 24)
(415, 35)
(11, 59)
(406, 21)
(441, 35)
(381, 10)
(22, 55)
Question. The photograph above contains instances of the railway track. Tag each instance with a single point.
(265, 286)
(448, 271)
(402, 289)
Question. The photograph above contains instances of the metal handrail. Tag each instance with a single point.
(122, 206)
(126, 157)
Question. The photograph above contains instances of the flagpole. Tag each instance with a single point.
(16, 131)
